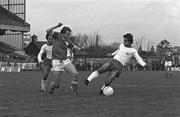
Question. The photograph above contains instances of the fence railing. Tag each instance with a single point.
(17, 67)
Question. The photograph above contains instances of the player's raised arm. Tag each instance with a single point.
(139, 59)
(78, 48)
(73, 46)
(50, 30)
(40, 54)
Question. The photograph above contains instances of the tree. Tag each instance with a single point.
(149, 45)
(138, 42)
(115, 45)
(140, 49)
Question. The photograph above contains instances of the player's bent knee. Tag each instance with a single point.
(74, 82)
(74, 73)
(116, 74)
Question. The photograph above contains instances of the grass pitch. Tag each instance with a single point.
(136, 94)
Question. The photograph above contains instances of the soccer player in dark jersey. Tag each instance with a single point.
(168, 62)
(47, 49)
(60, 61)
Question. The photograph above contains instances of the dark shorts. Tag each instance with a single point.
(47, 62)
(116, 66)
(112, 66)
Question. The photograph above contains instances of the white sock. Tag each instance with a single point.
(43, 81)
(93, 75)
(103, 87)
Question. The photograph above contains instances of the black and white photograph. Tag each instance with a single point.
(89, 58)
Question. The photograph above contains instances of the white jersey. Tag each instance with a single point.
(45, 49)
(124, 54)
(70, 53)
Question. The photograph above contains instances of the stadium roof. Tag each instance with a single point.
(9, 21)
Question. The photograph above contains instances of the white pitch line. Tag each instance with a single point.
(134, 86)
(156, 86)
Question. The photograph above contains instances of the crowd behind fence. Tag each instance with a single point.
(81, 66)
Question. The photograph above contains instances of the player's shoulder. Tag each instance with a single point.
(133, 49)
(56, 34)
(121, 45)
(44, 45)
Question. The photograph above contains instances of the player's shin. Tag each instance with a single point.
(75, 86)
(111, 77)
(170, 73)
(43, 85)
(93, 76)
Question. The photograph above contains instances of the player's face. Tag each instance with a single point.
(127, 43)
(67, 35)
(50, 40)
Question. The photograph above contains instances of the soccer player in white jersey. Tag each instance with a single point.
(47, 49)
(115, 66)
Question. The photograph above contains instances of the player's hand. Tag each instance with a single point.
(40, 61)
(60, 24)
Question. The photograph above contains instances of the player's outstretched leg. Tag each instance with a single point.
(104, 68)
(170, 74)
(111, 78)
(56, 83)
(43, 85)
(92, 76)
(74, 87)
(53, 86)
(46, 70)
(166, 74)
(102, 88)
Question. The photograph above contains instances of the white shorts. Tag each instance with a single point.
(168, 63)
(58, 65)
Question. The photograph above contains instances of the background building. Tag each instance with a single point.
(13, 25)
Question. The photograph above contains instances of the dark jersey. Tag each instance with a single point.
(168, 56)
(59, 49)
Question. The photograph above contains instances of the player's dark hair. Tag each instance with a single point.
(64, 29)
(128, 36)
(47, 35)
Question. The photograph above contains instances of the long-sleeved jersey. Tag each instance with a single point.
(124, 54)
(59, 50)
(45, 49)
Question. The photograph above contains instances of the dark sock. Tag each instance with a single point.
(75, 87)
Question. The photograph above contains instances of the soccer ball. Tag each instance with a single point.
(107, 91)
